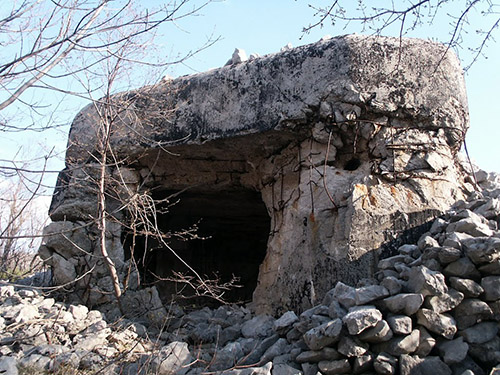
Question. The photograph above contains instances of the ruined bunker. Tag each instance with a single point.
(296, 169)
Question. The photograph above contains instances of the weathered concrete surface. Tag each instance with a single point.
(350, 141)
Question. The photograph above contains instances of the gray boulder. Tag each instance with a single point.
(491, 286)
(453, 351)
(8, 366)
(480, 333)
(468, 287)
(285, 322)
(445, 302)
(319, 337)
(258, 327)
(172, 359)
(400, 324)
(441, 324)
(426, 282)
(381, 332)
(360, 318)
(414, 365)
(407, 303)
(340, 366)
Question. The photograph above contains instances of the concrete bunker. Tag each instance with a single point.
(321, 147)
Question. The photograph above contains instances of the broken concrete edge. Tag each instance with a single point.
(349, 142)
(283, 91)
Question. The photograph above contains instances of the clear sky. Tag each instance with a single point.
(265, 26)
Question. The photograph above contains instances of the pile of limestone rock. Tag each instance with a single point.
(433, 308)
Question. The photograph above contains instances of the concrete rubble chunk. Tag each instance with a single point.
(426, 282)
(362, 364)
(360, 318)
(495, 308)
(263, 370)
(454, 239)
(172, 359)
(389, 263)
(319, 337)
(438, 226)
(407, 303)
(370, 293)
(445, 302)
(490, 209)
(400, 324)
(79, 312)
(385, 364)
(427, 241)
(352, 347)
(480, 333)
(444, 254)
(453, 351)
(8, 366)
(257, 348)
(259, 326)
(491, 286)
(471, 226)
(471, 311)
(486, 353)
(426, 343)
(468, 364)
(482, 249)
(278, 348)
(284, 369)
(315, 311)
(441, 324)
(285, 322)
(336, 311)
(325, 354)
(468, 287)
(392, 284)
(492, 268)
(25, 313)
(403, 344)
(309, 368)
(414, 365)
(463, 268)
(345, 295)
(410, 249)
(340, 366)
(227, 357)
(381, 332)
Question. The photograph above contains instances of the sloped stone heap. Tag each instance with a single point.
(434, 308)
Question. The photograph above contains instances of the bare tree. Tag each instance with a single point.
(97, 46)
(20, 218)
(49, 41)
(406, 16)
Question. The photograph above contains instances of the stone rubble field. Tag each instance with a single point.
(434, 308)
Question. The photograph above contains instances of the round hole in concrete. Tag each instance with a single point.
(352, 164)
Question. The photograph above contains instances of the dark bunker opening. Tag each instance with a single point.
(232, 230)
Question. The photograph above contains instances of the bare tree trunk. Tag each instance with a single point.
(102, 215)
